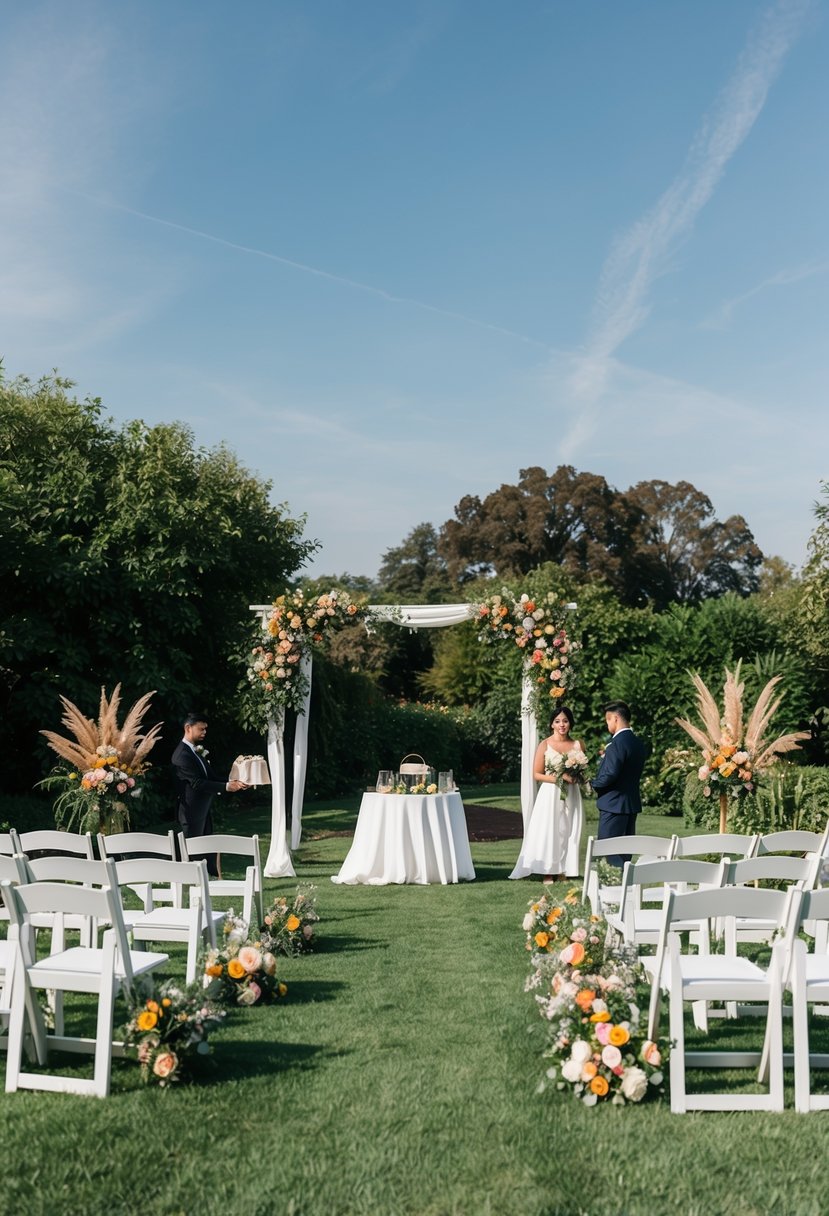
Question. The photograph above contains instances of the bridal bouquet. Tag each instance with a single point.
(574, 763)
(241, 971)
(289, 927)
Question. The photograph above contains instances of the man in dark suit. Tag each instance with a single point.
(197, 785)
(617, 781)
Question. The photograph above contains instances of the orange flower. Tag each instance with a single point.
(588, 1070)
(541, 939)
(604, 1016)
(153, 1006)
(618, 1036)
(557, 691)
(146, 1020)
(235, 969)
(292, 923)
(553, 915)
(585, 999)
(213, 969)
(599, 1086)
(529, 606)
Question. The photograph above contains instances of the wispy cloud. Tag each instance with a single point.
(305, 268)
(642, 254)
(722, 316)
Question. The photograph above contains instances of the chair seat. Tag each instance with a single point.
(172, 920)
(83, 960)
(227, 886)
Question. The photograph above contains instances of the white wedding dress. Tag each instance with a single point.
(552, 838)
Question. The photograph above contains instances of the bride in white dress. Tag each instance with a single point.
(552, 837)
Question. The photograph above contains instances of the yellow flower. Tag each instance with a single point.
(73, 776)
(292, 923)
(604, 1016)
(166, 1002)
(541, 939)
(599, 1086)
(152, 1006)
(618, 1036)
(282, 989)
(146, 1020)
(213, 969)
(235, 969)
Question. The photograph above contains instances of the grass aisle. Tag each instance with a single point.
(397, 1078)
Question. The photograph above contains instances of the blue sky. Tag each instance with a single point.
(392, 253)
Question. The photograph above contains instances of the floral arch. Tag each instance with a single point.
(280, 669)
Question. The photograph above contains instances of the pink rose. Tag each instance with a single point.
(165, 1064)
(603, 1032)
(250, 958)
(578, 935)
(121, 787)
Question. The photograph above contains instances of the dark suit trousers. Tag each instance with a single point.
(203, 826)
(611, 825)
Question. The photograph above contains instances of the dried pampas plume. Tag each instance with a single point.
(131, 745)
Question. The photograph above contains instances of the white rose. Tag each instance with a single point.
(634, 1084)
(581, 1051)
(611, 1056)
(528, 922)
(599, 1006)
(248, 997)
(571, 1070)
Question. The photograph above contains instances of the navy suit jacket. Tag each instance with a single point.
(617, 781)
(196, 790)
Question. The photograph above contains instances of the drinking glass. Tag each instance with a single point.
(384, 781)
(445, 782)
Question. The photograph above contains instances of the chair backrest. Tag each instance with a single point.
(143, 844)
(653, 846)
(794, 841)
(69, 869)
(12, 869)
(9, 844)
(241, 846)
(774, 868)
(726, 843)
(158, 871)
(77, 844)
(668, 873)
(725, 903)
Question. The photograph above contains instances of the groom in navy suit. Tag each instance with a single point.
(617, 781)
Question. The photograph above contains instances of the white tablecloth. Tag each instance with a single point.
(417, 838)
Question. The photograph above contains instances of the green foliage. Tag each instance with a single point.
(125, 554)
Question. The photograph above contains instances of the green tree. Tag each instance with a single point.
(126, 553)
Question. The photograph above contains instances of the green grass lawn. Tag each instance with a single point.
(397, 1077)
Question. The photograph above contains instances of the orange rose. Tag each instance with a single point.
(292, 923)
(588, 1070)
(235, 969)
(585, 999)
(599, 1086)
(618, 1036)
(541, 939)
(604, 1016)
(213, 969)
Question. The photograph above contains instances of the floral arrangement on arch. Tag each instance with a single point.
(589, 1000)
(290, 926)
(735, 745)
(106, 764)
(536, 627)
(169, 1030)
(295, 624)
(241, 971)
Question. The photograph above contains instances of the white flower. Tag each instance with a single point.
(611, 1056)
(634, 1084)
(599, 1006)
(528, 922)
(571, 1070)
(581, 1051)
(248, 997)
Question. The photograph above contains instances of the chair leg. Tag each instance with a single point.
(800, 1031)
(677, 1062)
(103, 1045)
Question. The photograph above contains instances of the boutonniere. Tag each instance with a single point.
(201, 751)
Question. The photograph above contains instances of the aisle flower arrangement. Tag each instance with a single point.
(241, 971)
(536, 627)
(588, 998)
(169, 1030)
(290, 925)
(105, 764)
(295, 624)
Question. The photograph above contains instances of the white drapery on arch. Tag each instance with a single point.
(411, 616)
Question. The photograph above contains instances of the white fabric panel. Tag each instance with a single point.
(408, 838)
(529, 742)
(278, 864)
(301, 754)
(424, 616)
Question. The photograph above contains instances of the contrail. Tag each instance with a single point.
(306, 269)
(641, 254)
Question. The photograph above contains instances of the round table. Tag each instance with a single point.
(408, 838)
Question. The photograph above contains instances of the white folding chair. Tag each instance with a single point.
(9, 844)
(122, 845)
(12, 871)
(808, 980)
(721, 978)
(49, 840)
(726, 844)
(102, 972)
(603, 897)
(195, 925)
(801, 872)
(249, 887)
(638, 926)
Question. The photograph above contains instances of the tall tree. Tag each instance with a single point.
(126, 554)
